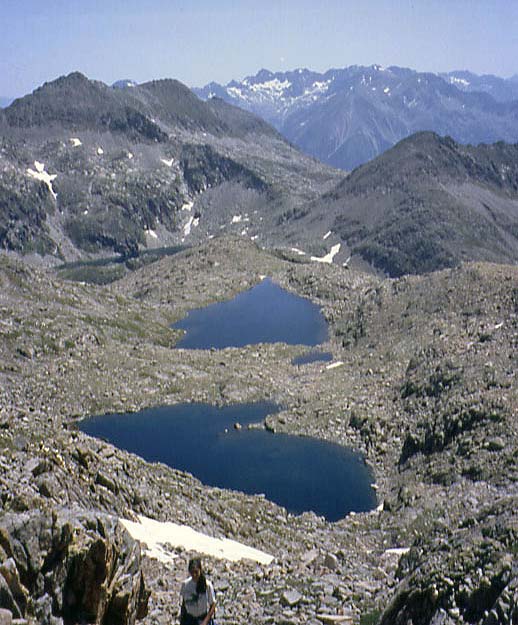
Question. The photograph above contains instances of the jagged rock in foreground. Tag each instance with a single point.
(60, 566)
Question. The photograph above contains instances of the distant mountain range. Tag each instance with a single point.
(346, 117)
(87, 170)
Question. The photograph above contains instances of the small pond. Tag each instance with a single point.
(298, 473)
(265, 313)
(312, 356)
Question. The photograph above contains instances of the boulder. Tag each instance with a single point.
(291, 598)
(6, 617)
(331, 561)
(62, 566)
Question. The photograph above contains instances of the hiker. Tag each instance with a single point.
(198, 601)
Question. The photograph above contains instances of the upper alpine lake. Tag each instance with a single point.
(265, 313)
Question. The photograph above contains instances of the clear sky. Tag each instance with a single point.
(196, 41)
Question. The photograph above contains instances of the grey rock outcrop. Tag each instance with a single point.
(61, 567)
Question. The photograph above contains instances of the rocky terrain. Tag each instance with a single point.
(348, 116)
(427, 391)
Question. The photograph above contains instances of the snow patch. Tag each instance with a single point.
(75, 142)
(297, 251)
(328, 258)
(272, 86)
(192, 223)
(386, 90)
(169, 162)
(100, 151)
(235, 92)
(130, 155)
(151, 233)
(379, 508)
(459, 81)
(237, 219)
(326, 235)
(40, 174)
(187, 206)
(318, 87)
(334, 365)
(396, 552)
(155, 535)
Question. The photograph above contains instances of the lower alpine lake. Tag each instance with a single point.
(266, 313)
(299, 473)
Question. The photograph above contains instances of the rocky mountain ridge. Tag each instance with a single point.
(88, 171)
(425, 204)
(346, 117)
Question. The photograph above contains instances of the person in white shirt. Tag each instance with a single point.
(198, 600)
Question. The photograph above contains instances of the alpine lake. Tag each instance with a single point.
(217, 445)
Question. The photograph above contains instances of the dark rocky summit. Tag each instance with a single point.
(426, 204)
(426, 389)
(89, 170)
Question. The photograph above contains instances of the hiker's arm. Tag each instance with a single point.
(210, 614)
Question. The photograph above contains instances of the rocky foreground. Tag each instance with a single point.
(427, 391)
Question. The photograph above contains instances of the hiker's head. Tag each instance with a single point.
(196, 572)
(195, 568)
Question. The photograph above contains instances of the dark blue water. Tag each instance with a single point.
(312, 356)
(264, 314)
(298, 473)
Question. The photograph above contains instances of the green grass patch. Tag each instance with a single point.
(370, 618)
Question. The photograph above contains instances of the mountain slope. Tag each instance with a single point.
(425, 204)
(87, 169)
(346, 117)
(501, 89)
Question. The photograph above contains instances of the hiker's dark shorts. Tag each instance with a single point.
(187, 619)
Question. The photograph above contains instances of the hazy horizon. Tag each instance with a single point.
(201, 41)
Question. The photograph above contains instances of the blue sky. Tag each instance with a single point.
(201, 40)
